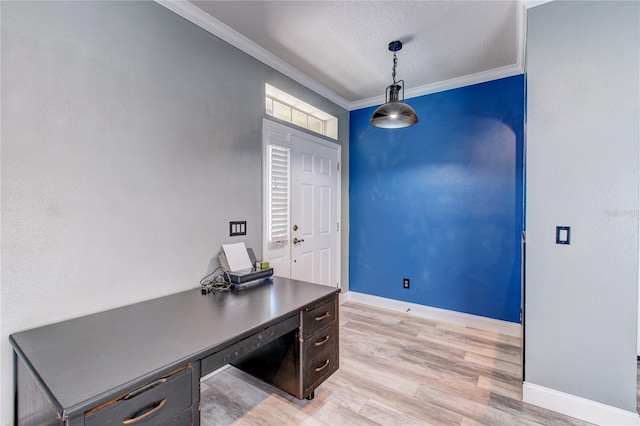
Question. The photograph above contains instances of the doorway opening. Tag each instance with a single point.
(301, 204)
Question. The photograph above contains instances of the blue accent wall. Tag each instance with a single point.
(441, 202)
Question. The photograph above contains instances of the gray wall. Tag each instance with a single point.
(582, 171)
(130, 138)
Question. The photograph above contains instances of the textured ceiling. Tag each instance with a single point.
(343, 44)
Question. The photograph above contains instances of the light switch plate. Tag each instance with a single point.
(238, 227)
(563, 235)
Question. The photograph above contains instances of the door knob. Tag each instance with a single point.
(295, 227)
(296, 241)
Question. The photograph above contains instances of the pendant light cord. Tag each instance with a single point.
(395, 64)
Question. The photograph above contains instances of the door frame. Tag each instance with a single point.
(268, 124)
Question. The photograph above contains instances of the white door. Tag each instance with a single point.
(308, 248)
(314, 221)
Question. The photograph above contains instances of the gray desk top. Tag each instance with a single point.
(83, 359)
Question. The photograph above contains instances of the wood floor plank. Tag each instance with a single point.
(387, 329)
(395, 369)
(362, 334)
(384, 414)
(408, 363)
(511, 390)
(475, 341)
(383, 378)
(353, 332)
(422, 410)
(378, 314)
(457, 403)
(410, 353)
(505, 354)
(367, 317)
(334, 413)
(391, 344)
(487, 361)
(475, 332)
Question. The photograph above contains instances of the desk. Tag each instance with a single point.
(144, 361)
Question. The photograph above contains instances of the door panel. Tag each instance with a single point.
(325, 266)
(325, 209)
(304, 266)
(305, 203)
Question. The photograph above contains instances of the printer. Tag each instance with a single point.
(245, 276)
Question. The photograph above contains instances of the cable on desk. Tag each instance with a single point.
(219, 282)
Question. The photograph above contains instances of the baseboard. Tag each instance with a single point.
(468, 320)
(575, 406)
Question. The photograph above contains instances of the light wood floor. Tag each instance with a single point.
(395, 369)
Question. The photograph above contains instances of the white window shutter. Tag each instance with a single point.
(279, 194)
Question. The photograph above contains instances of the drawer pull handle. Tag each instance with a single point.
(144, 388)
(145, 412)
(322, 342)
(323, 366)
(320, 318)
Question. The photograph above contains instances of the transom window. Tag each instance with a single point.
(288, 108)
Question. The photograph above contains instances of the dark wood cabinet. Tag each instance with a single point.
(141, 364)
(299, 362)
(320, 344)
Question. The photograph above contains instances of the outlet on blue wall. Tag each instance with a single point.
(442, 202)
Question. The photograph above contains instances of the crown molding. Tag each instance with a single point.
(205, 21)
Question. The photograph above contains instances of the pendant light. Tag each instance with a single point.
(394, 113)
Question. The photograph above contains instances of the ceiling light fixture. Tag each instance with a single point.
(394, 113)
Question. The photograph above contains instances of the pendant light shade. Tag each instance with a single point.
(394, 113)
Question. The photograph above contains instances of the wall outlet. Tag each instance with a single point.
(406, 283)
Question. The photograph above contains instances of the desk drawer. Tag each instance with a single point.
(326, 338)
(318, 369)
(320, 317)
(156, 403)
